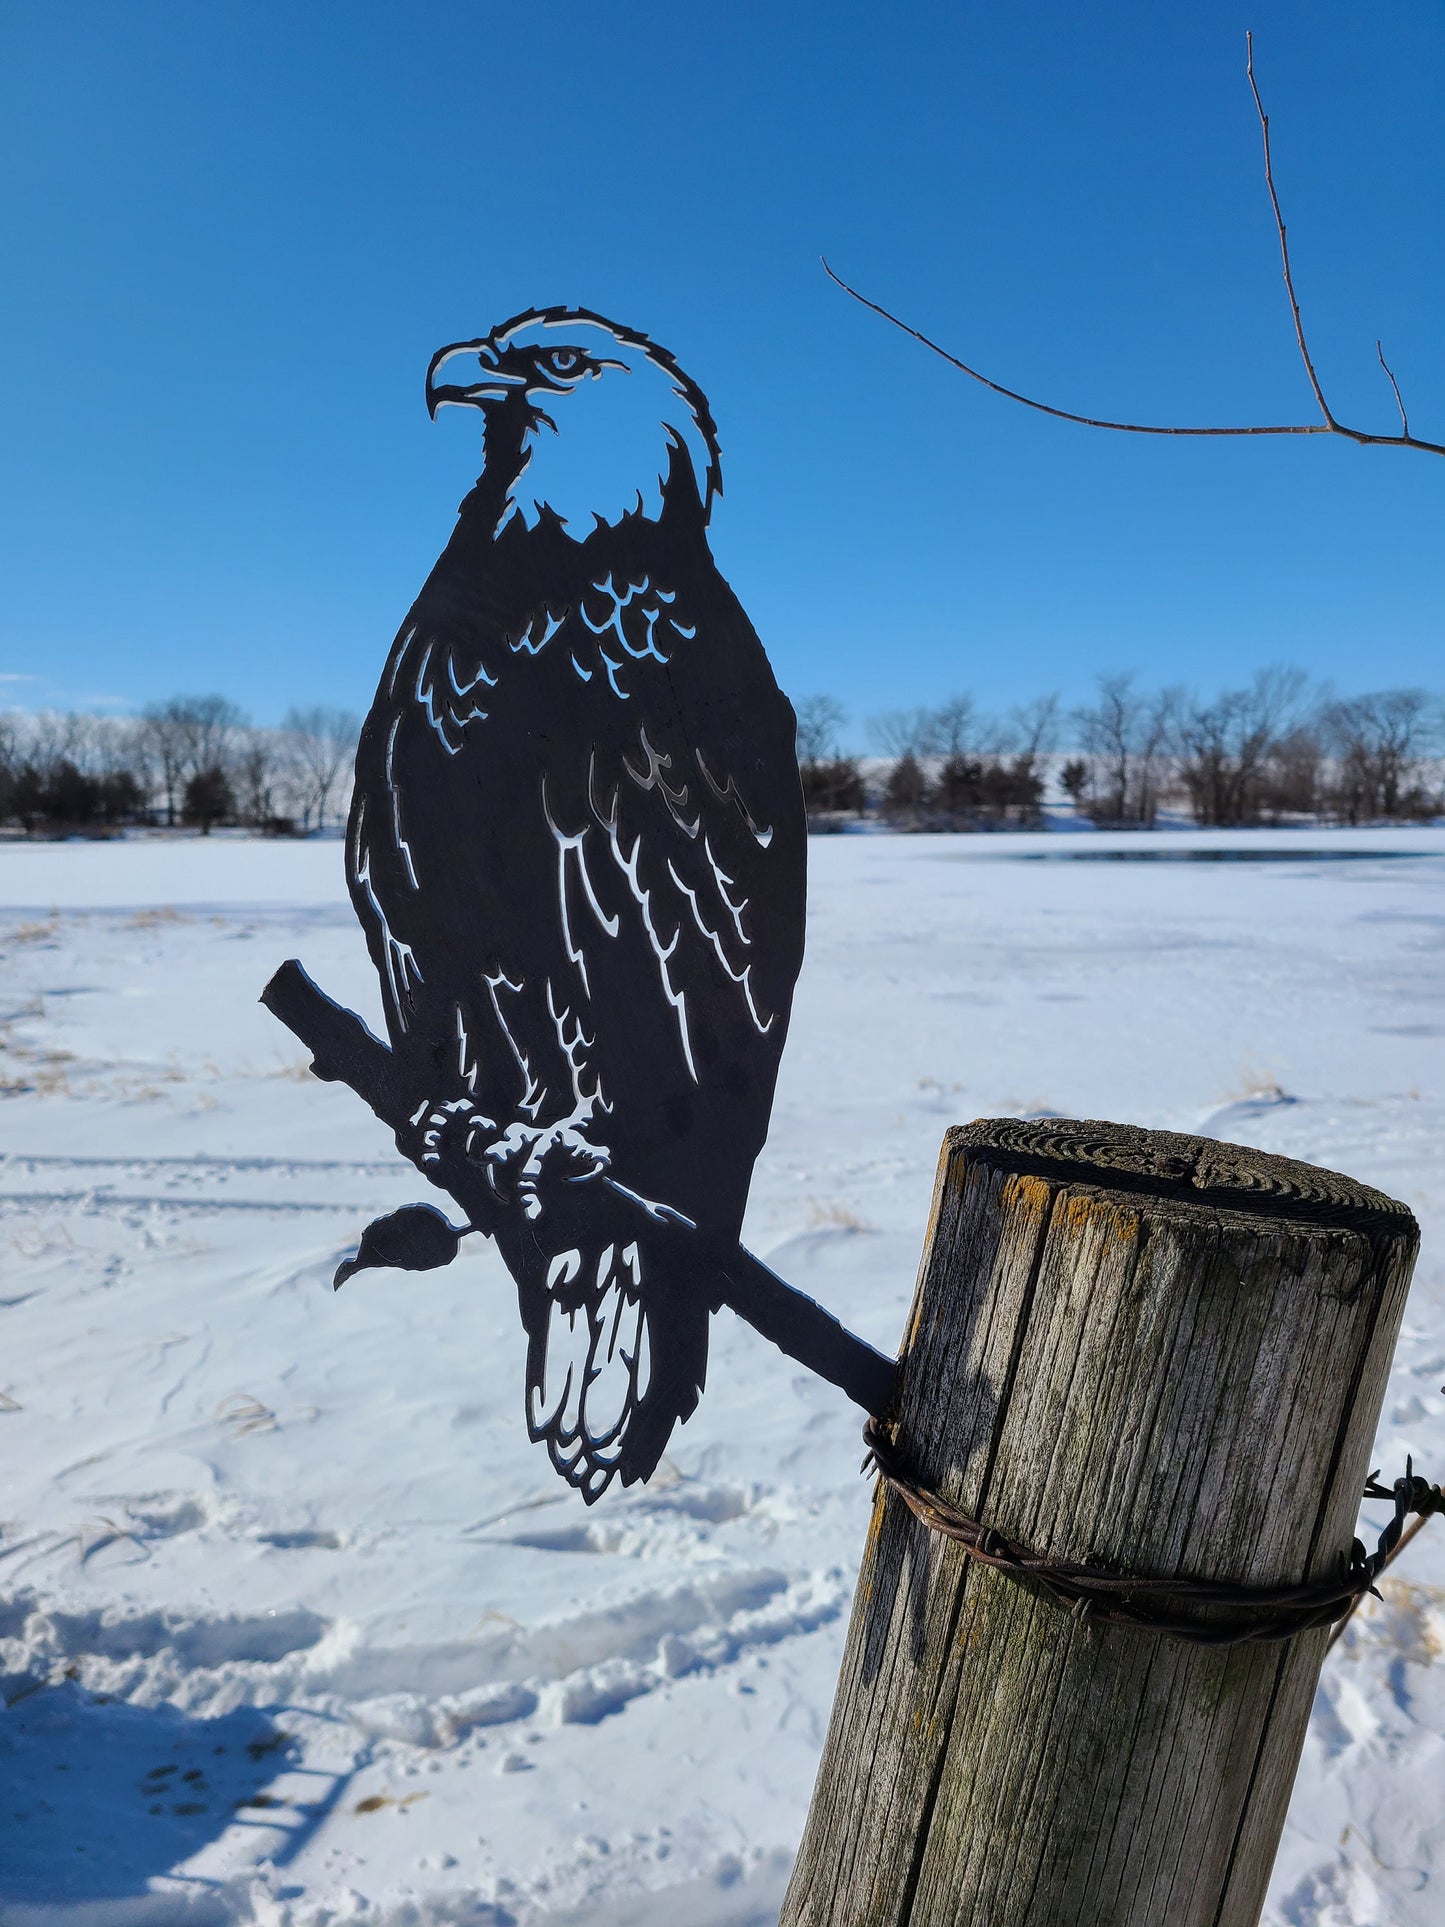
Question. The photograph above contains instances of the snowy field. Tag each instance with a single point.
(295, 1626)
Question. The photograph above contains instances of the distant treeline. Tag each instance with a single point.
(194, 760)
(1278, 751)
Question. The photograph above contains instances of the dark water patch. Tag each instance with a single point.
(1222, 856)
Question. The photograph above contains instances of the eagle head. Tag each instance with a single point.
(583, 418)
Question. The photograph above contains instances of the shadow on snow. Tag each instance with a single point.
(98, 1799)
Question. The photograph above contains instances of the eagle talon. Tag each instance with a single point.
(536, 1155)
(456, 1129)
(519, 1162)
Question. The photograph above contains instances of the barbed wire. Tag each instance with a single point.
(1170, 1606)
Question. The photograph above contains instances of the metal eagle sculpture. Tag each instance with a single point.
(577, 848)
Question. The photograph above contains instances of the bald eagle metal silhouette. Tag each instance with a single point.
(577, 848)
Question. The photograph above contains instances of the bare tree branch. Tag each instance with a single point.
(1299, 326)
(1404, 422)
(1064, 414)
(1329, 426)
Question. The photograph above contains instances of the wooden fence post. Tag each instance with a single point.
(1158, 1354)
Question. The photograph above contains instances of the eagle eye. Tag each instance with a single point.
(564, 361)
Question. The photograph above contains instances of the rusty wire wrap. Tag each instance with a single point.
(1089, 1594)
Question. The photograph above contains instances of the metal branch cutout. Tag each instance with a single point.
(577, 848)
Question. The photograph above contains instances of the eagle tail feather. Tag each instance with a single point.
(594, 1394)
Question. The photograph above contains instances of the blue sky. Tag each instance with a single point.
(234, 234)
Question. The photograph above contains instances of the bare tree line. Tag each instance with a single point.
(1273, 752)
(1276, 751)
(192, 760)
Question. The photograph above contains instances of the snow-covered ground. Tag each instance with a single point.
(296, 1628)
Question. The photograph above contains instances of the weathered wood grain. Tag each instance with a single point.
(1160, 1354)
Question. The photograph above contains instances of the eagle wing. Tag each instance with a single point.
(578, 851)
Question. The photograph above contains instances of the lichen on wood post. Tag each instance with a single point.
(1160, 1355)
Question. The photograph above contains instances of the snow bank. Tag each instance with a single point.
(297, 1629)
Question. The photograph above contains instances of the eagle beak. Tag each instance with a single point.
(478, 360)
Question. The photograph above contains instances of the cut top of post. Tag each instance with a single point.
(1182, 1170)
(1223, 1310)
